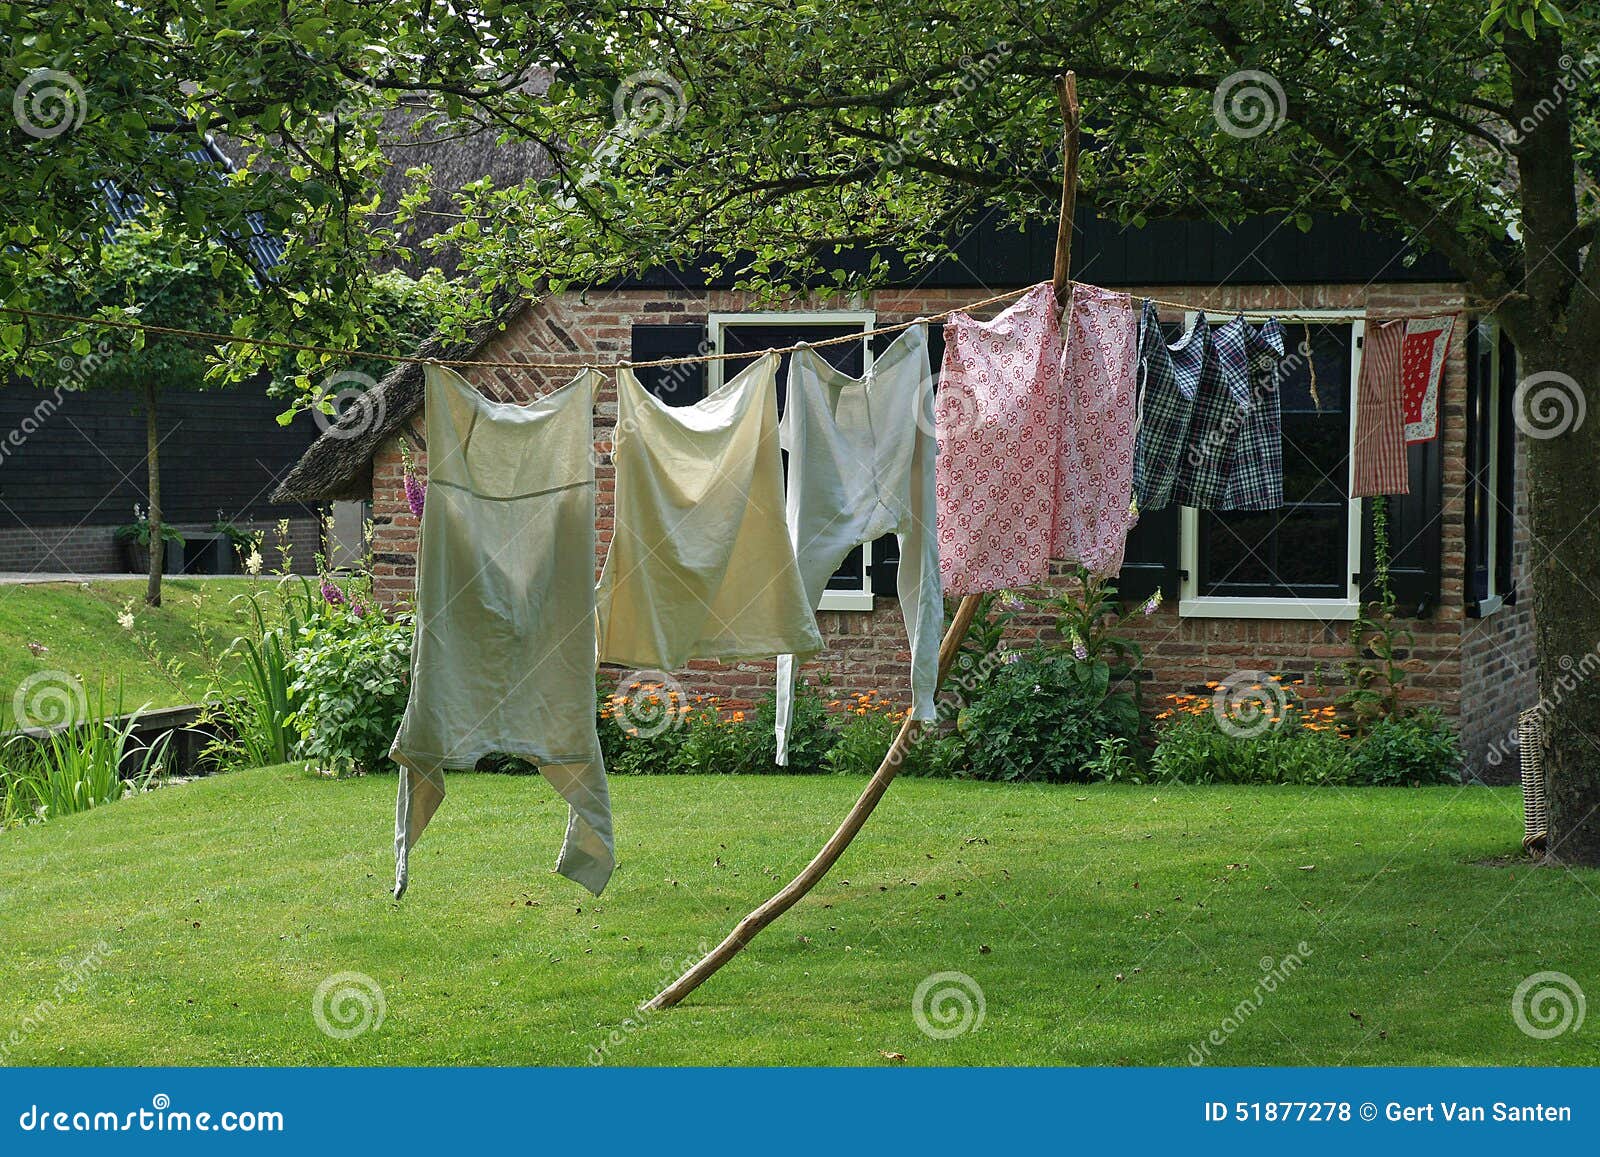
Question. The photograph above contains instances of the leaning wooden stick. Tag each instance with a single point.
(837, 843)
(751, 925)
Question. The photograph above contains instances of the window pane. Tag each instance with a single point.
(1300, 550)
(848, 357)
(1241, 547)
(1311, 548)
(1315, 451)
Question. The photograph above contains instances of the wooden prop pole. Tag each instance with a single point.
(786, 898)
(1067, 94)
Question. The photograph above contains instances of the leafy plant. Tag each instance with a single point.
(77, 767)
(1114, 762)
(1417, 750)
(1086, 614)
(350, 677)
(1042, 719)
(1301, 745)
(242, 539)
(138, 531)
(810, 733)
(863, 736)
(982, 648)
(1375, 675)
(710, 743)
(258, 707)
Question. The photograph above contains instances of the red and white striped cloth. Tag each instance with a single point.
(1379, 462)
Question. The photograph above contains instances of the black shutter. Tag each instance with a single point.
(1150, 562)
(885, 575)
(1478, 504)
(1414, 536)
(1505, 496)
(681, 385)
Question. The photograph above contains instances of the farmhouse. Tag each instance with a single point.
(1275, 593)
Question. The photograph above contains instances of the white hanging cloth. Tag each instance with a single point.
(700, 564)
(861, 465)
(504, 655)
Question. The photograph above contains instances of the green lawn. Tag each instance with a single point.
(1105, 925)
(167, 658)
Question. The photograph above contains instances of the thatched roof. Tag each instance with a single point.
(456, 161)
(339, 463)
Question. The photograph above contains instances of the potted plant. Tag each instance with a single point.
(135, 539)
(240, 544)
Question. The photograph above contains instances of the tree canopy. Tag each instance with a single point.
(764, 136)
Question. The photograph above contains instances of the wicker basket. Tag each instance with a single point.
(1535, 815)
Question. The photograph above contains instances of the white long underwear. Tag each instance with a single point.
(861, 465)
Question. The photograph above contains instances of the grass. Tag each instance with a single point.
(167, 658)
(1105, 925)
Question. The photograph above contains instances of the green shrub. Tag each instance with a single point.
(810, 735)
(351, 675)
(1042, 717)
(76, 767)
(1414, 750)
(257, 706)
(1304, 746)
(1194, 748)
(861, 738)
(937, 756)
(709, 743)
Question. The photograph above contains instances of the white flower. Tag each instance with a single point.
(252, 561)
(125, 620)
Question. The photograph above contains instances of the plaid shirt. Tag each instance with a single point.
(1208, 451)
(1167, 386)
(1250, 366)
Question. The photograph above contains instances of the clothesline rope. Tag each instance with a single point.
(414, 359)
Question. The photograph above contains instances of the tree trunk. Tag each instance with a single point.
(158, 545)
(1564, 561)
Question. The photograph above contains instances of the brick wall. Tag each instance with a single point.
(94, 550)
(867, 650)
(1499, 677)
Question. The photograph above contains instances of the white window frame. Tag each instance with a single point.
(1195, 606)
(718, 323)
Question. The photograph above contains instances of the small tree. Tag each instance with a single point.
(141, 270)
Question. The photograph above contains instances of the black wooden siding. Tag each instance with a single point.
(85, 463)
(1338, 250)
